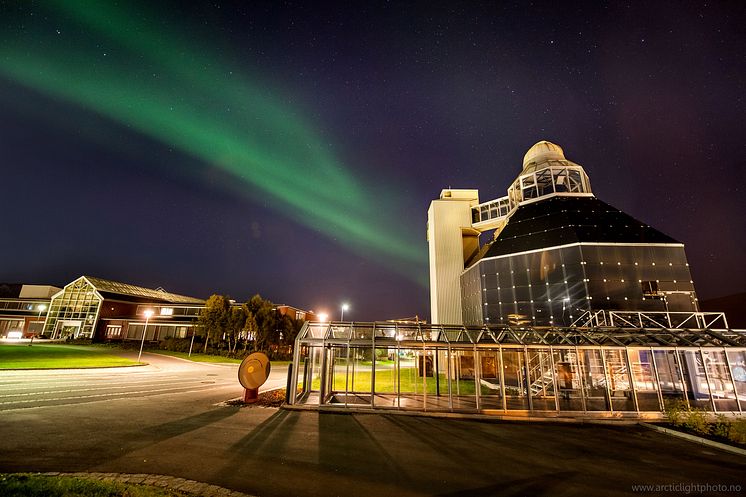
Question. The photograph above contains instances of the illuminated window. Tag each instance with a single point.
(113, 331)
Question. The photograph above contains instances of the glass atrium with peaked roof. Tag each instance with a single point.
(76, 311)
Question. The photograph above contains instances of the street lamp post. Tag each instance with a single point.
(41, 308)
(345, 307)
(147, 313)
(191, 344)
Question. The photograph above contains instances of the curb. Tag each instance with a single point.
(162, 481)
(236, 399)
(84, 368)
(218, 364)
(465, 416)
(695, 439)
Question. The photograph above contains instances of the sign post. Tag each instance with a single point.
(252, 373)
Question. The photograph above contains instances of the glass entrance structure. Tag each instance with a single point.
(551, 371)
(74, 311)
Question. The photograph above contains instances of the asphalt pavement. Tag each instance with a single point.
(167, 419)
(164, 375)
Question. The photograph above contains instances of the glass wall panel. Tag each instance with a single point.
(737, 359)
(72, 313)
(463, 381)
(386, 382)
(620, 386)
(473, 284)
(541, 380)
(317, 330)
(490, 389)
(360, 373)
(411, 384)
(695, 380)
(348, 375)
(301, 372)
(313, 384)
(516, 379)
(336, 377)
(594, 380)
(135, 331)
(721, 384)
(643, 375)
(669, 377)
(8, 325)
(569, 384)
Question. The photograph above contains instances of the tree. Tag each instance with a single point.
(236, 324)
(265, 318)
(290, 329)
(215, 317)
(250, 327)
(272, 331)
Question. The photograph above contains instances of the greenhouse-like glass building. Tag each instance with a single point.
(574, 371)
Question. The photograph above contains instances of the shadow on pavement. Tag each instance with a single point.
(546, 484)
(158, 433)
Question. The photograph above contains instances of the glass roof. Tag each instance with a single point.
(137, 291)
(392, 334)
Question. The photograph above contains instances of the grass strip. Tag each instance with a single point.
(57, 356)
(410, 381)
(33, 485)
(199, 357)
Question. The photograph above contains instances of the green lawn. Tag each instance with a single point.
(68, 486)
(410, 382)
(198, 357)
(57, 356)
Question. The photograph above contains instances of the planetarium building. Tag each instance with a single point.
(571, 308)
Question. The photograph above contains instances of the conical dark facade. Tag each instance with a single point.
(558, 252)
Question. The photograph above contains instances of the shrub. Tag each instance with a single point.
(675, 411)
(737, 432)
(721, 426)
(175, 344)
(683, 416)
(696, 421)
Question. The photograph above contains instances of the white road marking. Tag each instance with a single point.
(128, 394)
(99, 400)
(103, 387)
(26, 386)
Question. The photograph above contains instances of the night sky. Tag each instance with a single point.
(292, 149)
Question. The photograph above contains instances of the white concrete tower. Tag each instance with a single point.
(450, 238)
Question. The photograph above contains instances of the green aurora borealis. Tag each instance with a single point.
(142, 73)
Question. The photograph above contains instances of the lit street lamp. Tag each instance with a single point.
(147, 313)
(345, 307)
(323, 316)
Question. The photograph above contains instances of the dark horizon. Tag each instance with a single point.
(292, 150)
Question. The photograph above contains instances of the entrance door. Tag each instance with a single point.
(67, 329)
